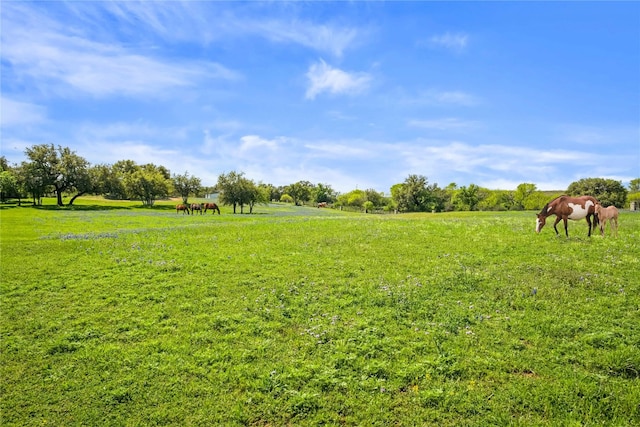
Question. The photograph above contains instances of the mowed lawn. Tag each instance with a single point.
(113, 314)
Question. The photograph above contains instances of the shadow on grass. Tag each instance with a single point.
(81, 208)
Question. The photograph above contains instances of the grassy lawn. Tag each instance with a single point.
(113, 314)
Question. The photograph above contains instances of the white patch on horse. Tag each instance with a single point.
(537, 225)
(578, 212)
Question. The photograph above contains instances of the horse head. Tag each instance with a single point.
(540, 221)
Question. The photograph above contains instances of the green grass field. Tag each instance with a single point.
(113, 314)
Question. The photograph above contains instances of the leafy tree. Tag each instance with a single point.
(522, 193)
(355, 198)
(61, 168)
(537, 200)
(607, 191)
(497, 200)
(4, 164)
(414, 195)
(148, 183)
(300, 191)
(8, 185)
(42, 171)
(186, 185)
(285, 198)
(467, 198)
(258, 194)
(108, 181)
(324, 193)
(77, 175)
(231, 190)
(376, 198)
(634, 185)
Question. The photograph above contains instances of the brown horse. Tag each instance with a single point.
(566, 207)
(183, 208)
(605, 214)
(213, 208)
(196, 207)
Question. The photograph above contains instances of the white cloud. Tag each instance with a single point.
(205, 22)
(453, 41)
(321, 37)
(16, 113)
(444, 124)
(342, 151)
(324, 78)
(453, 98)
(58, 59)
(254, 142)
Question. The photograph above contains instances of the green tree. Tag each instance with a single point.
(537, 200)
(60, 168)
(185, 186)
(230, 187)
(467, 198)
(258, 194)
(31, 181)
(4, 164)
(323, 193)
(285, 198)
(522, 193)
(108, 182)
(148, 183)
(300, 191)
(354, 198)
(8, 185)
(607, 191)
(634, 185)
(413, 195)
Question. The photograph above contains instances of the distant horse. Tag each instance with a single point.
(566, 207)
(183, 208)
(322, 205)
(196, 207)
(213, 208)
(605, 214)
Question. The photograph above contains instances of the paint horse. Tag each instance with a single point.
(213, 208)
(196, 207)
(183, 208)
(606, 214)
(566, 207)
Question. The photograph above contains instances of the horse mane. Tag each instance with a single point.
(544, 209)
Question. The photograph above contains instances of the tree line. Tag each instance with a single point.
(62, 172)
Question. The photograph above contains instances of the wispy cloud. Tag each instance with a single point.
(253, 143)
(449, 123)
(321, 37)
(206, 22)
(324, 78)
(55, 58)
(453, 41)
(16, 113)
(452, 98)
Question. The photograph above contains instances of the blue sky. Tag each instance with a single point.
(350, 94)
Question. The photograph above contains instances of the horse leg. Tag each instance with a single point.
(556, 223)
(589, 222)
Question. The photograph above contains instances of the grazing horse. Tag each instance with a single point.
(605, 214)
(183, 208)
(322, 205)
(566, 207)
(196, 207)
(213, 208)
